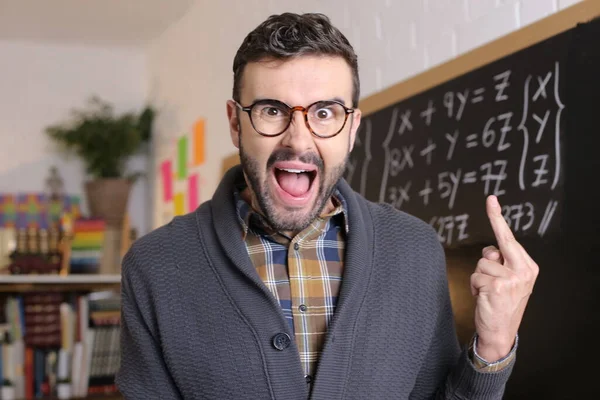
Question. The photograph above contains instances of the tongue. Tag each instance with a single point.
(294, 184)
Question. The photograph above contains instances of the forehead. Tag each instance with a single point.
(297, 81)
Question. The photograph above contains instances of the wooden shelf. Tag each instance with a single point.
(74, 282)
(90, 397)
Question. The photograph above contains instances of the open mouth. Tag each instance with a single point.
(294, 181)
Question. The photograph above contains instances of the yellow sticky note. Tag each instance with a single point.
(178, 202)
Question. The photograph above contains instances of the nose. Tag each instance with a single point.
(298, 136)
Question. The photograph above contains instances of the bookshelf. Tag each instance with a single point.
(44, 283)
(92, 339)
(90, 397)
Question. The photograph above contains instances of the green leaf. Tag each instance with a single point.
(103, 140)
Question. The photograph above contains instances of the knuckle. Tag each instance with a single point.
(530, 274)
(497, 286)
(535, 269)
(481, 264)
(509, 238)
(472, 280)
(514, 281)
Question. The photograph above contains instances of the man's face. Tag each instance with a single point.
(274, 166)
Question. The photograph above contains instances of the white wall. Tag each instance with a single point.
(39, 85)
(190, 64)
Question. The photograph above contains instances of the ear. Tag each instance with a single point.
(234, 123)
(356, 116)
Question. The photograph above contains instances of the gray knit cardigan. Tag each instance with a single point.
(198, 322)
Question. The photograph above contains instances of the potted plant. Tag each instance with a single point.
(105, 142)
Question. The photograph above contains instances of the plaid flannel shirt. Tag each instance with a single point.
(304, 274)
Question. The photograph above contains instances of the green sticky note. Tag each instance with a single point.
(182, 157)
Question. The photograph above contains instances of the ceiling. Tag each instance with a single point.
(89, 22)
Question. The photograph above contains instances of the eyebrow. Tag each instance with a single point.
(338, 99)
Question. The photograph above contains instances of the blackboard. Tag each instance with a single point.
(518, 118)
(498, 130)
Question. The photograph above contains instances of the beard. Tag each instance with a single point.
(283, 218)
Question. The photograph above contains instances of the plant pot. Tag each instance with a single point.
(63, 391)
(7, 393)
(107, 199)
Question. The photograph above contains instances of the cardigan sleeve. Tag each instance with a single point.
(448, 372)
(143, 373)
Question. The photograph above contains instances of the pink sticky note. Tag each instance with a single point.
(167, 180)
(193, 192)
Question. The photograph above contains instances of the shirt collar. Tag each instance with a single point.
(251, 219)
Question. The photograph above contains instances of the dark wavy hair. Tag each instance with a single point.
(291, 35)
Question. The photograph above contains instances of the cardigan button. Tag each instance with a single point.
(281, 341)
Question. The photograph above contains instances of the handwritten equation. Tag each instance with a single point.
(440, 154)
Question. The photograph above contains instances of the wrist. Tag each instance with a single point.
(493, 351)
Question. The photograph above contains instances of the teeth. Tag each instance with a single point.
(295, 171)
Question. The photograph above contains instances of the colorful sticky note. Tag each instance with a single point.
(182, 155)
(199, 142)
(179, 203)
(167, 180)
(192, 192)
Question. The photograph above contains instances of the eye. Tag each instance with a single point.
(271, 111)
(324, 113)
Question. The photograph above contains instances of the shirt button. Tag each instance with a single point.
(296, 246)
(308, 378)
(281, 341)
(303, 307)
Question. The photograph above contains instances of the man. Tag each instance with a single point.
(288, 284)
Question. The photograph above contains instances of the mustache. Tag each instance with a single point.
(287, 154)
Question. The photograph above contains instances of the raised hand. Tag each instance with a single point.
(502, 283)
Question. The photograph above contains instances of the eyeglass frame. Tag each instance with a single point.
(304, 110)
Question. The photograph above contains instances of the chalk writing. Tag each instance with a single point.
(448, 148)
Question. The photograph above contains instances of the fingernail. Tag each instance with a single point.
(493, 254)
(495, 202)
